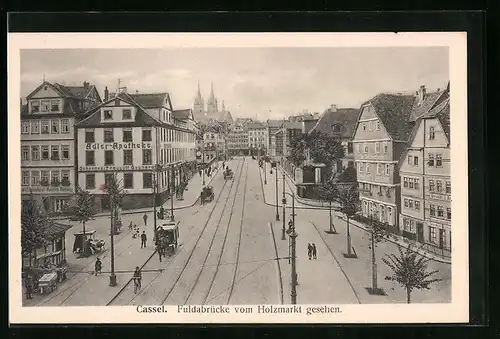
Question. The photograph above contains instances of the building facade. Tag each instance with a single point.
(273, 126)
(382, 130)
(237, 140)
(425, 177)
(48, 147)
(124, 137)
(214, 145)
(257, 138)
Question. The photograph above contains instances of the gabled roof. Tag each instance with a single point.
(345, 116)
(182, 114)
(77, 92)
(46, 83)
(442, 113)
(394, 111)
(150, 100)
(255, 125)
(430, 99)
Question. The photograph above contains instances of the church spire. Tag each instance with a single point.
(212, 95)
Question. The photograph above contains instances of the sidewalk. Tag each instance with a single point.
(269, 192)
(191, 196)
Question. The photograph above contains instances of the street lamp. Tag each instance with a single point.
(277, 208)
(172, 190)
(283, 201)
(158, 168)
(265, 175)
(293, 236)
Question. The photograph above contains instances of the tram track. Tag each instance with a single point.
(219, 260)
(170, 259)
(198, 275)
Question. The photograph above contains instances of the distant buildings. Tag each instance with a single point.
(257, 138)
(48, 145)
(211, 111)
(237, 140)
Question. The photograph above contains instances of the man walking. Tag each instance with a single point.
(145, 217)
(137, 279)
(309, 250)
(143, 239)
(28, 284)
(98, 266)
(314, 251)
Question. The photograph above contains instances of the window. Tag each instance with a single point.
(440, 211)
(439, 184)
(416, 181)
(410, 203)
(360, 165)
(360, 148)
(432, 210)
(89, 158)
(35, 153)
(108, 158)
(44, 177)
(386, 148)
(107, 179)
(364, 126)
(433, 238)
(35, 106)
(380, 168)
(45, 152)
(64, 126)
(55, 177)
(389, 215)
(147, 180)
(387, 169)
(35, 127)
(448, 187)
(128, 157)
(377, 147)
(410, 183)
(366, 148)
(55, 152)
(54, 105)
(367, 168)
(45, 105)
(146, 157)
(415, 161)
(410, 160)
(431, 185)
(432, 133)
(25, 153)
(25, 181)
(448, 213)
(65, 176)
(431, 160)
(108, 114)
(405, 182)
(65, 152)
(55, 126)
(127, 114)
(25, 127)
(378, 125)
(406, 202)
(128, 180)
(127, 135)
(370, 126)
(108, 135)
(35, 178)
(89, 135)
(146, 135)
(45, 127)
(439, 160)
(417, 205)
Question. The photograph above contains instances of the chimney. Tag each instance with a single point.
(333, 108)
(421, 93)
(106, 93)
(85, 85)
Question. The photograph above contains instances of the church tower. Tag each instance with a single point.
(212, 104)
(199, 105)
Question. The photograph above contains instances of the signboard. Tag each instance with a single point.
(117, 145)
(116, 168)
(440, 197)
(48, 189)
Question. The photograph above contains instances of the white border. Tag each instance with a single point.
(456, 311)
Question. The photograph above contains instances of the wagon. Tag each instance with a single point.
(167, 238)
(228, 174)
(48, 282)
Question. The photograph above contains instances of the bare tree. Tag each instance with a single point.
(409, 269)
(82, 209)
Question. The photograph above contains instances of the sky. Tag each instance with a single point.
(262, 83)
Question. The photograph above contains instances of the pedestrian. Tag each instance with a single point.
(143, 239)
(314, 251)
(130, 226)
(145, 217)
(28, 284)
(309, 250)
(137, 279)
(98, 266)
(158, 249)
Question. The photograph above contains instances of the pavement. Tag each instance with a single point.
(311, 225)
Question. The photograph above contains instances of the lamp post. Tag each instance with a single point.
(203, 167)
(265, 175)
(293, 237)
(277, 208)
(158, 167)
(172, 191)
(283, 201)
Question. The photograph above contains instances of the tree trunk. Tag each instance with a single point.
(349, 245)
(408, 293)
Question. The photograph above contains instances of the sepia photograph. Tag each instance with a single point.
(239, 181)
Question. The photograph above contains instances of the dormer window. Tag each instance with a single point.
(127, 114)
(45, 105)
(54, 105)
(35, 106)
(108, 114)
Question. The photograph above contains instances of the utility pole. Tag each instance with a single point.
(277, 208)
(374, 263)
(265, 175)
(293, 238)
(112, 277)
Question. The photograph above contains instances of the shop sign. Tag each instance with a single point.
(117, 145)
(116, 168)
(43, 189)
(440, 197)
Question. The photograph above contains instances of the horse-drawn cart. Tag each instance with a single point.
(90, 245)
(228, 174)
(167, 237)
(207, 195)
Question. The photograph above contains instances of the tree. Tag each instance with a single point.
(327, 191)
(325, 148)
(409, 269)
(82, 209)
(33, 225)
(298, 146)
(347, 195)
(378, 233)
(115, 191)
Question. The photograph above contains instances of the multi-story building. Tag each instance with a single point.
(124, 137)
(273, 126)
(48, 147)
(237, 140)
(278, 145)
(257, 138)
(382, 130)
(425, 173)
(213, 144)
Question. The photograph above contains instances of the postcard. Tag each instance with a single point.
(238, 178)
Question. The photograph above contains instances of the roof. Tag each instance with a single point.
(442, 113)
(347, 117)
(430, 99)
(293, 125)
(54, 228)
(255, 125)
(394, 111)
(77, 92)
(182, 114)
(150, 100)
(274, 123)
